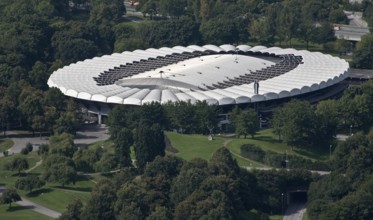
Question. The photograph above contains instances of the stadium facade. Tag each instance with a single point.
(222, 75)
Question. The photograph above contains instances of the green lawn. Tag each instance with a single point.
(305, 216)
(8, 178)
(266, 140)
(106, 144)
(18, 212)
(5, 144)
(56, 197)
(276, 217)
(193, 146)
(198, 146)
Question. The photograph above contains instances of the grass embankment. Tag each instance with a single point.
(17, 212)
(5, 144)
(268, 141)
(193, 146)
(198, 146)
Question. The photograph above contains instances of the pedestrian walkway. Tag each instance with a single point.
(35, 207)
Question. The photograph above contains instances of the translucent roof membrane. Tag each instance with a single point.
(220, 75)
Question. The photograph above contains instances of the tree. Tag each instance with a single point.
(327, 120)
(299, 123)
(123, 143)
(261, 31)
(39, 76)
(278, 121)
(342, 46)
(187, 181)
(66, 123)
(73, 211)
(38, 123)
(173, 8)
(103, 10)
(149, 143)
(222, 163)
(219, 30)
(7, 111)
(18, 164)
(9, 196)
(363, 54)
(206, 117)
(29, 183)
(101, 204)
(59, 169)
(62, 144)
(160, 213)
(107, 162)
(247, 122)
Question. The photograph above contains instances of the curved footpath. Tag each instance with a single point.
(35, 207)
(88, 135)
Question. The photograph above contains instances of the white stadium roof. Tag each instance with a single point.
(216, 74)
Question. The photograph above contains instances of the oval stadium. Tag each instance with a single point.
(222, 75)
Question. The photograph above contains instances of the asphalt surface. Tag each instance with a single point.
(87, 135)
(295, 212)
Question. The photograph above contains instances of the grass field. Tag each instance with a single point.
(198, 146)
(266, 140)
(5, 144)
(20, 213)
(193, 146)
(56, 197)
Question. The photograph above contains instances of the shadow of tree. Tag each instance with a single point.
(267, 139)
(18, 208)
(81, 189)
(39, 191)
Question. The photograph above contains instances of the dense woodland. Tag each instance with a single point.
(40, 36)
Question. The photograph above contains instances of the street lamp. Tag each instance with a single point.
(330, 152)
(282, 203)
(350, 130)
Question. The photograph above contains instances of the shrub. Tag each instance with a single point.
(29, 147)
(24, 151)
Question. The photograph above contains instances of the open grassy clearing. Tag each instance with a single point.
(5, 144)
(8, 178)
(194, 146)
(106, 144)
(198, 146)
(17, 212)
(56, 197)
(268, 141)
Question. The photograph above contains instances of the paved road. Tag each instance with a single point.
(35, 207)
(295, 212)
(88, 134)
